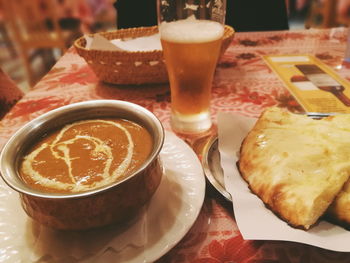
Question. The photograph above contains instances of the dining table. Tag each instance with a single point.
(243, 84)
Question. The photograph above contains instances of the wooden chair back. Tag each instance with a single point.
(34, 23)
(322, 14)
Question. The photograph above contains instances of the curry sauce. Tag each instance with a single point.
(85, 155)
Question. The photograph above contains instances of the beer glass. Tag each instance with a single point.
(191, 33)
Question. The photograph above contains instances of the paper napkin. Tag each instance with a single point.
(146, 43)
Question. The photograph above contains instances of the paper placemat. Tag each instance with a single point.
(254, 220)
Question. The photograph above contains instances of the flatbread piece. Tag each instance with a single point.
(295, 164)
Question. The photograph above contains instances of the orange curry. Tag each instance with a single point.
(85, 155)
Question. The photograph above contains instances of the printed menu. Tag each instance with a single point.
(315, 86)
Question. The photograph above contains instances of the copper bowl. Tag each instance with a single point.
(114, 203)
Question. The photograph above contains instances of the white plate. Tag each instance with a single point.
(170, 214)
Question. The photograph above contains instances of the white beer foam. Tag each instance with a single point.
(191, 30)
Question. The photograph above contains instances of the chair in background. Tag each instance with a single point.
(34, 26)
(322, 14)
(4, 35)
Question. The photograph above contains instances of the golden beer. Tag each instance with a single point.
(191, 49)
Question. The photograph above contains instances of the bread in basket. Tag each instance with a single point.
(125, 67)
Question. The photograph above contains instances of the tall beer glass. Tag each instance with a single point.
(191, 33)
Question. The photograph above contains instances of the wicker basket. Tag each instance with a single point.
(140, 67)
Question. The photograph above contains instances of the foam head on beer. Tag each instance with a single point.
(191, 30)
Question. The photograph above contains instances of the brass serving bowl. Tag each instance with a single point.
(113, 203)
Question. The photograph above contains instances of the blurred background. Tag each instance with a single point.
(35, 33)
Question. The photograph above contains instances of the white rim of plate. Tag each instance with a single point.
(183, 183)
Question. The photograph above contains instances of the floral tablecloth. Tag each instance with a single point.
(243, 84)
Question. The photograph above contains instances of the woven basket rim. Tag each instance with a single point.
(229, 31)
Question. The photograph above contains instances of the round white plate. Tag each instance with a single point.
(168, 217)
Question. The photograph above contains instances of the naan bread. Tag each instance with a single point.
(339, 211)
(297, 165)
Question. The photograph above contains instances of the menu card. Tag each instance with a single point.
(315, 86)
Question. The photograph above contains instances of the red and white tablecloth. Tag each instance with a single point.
(243, 84)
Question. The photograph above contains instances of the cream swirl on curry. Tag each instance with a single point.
(85, 155)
